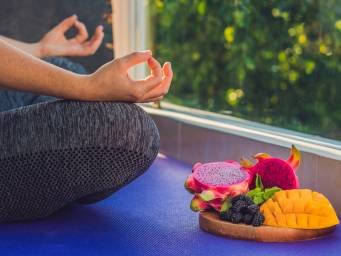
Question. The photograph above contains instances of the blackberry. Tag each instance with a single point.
(239, 206)
(226, 215)
(244, 198)
(247, 218)
(248, 200)
(252, 209)
(237, 198)
(236, 217)
(258, 219)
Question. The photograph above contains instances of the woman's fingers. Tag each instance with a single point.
(135, 58)
(66, 24)
(155, 67)
(152, 100)
(162, 88)
(82, 35)
(79, 46)
(152, 80)
(156, 85)
(89, 47)
(167, 70)
(95, 41)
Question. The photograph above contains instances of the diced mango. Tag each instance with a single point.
(299, 205)
(280, 195)
(292, 194)
(291, 219)
(271, 205)
(325, 221)
(287, 206)
(280, 219)
(326, 210)
(305, 194)
(320, 198)
(302, 220)
(313, 221)
(277, 208)
(299, 208)
(312, 207)
(317, 196)
(270, 220)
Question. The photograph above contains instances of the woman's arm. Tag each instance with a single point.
(21, 71)
(55, 43)
(31, 48)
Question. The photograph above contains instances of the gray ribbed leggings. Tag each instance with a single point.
(55, 153)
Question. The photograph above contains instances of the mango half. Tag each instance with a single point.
(299, 208)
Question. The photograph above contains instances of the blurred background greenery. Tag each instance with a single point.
(275, 62)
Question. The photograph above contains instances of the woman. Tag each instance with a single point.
(76, 150)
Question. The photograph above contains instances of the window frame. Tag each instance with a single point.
(129, 30)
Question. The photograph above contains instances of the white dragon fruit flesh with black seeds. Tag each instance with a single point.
(212, 183)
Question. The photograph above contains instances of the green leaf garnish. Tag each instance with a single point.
(259, 183)
(259, 195)
(269, 192)
(258, 200)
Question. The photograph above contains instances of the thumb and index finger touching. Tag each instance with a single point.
(159, 90)
(82, 36)
(136, 58)
(66, 24)
(158, 73)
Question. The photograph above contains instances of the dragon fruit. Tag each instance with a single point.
(213, 183)
(275, 172)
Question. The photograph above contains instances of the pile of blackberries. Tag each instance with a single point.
(243, 210)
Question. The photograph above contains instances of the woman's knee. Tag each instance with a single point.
(72, 124)
(124, 125)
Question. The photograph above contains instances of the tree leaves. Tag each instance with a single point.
(279, 54)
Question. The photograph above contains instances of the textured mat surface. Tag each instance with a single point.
(150, 216)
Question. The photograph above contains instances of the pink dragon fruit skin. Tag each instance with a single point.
(213, 182)
(275, 171)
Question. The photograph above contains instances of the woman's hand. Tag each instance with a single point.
(54, 43)
(112, 82)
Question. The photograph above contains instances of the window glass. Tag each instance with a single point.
(275, 62)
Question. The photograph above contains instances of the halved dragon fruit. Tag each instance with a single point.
(275, 172)
(212, 183)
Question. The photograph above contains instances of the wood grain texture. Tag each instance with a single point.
(210, 222)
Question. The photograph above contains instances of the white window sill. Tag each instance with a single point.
(273, 135)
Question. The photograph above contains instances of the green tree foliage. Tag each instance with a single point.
(276, 62)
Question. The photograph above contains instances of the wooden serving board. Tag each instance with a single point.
(210, 222)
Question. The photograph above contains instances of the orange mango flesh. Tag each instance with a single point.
(299, 208)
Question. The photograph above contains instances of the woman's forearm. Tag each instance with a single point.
(30, 48)
(23, 72)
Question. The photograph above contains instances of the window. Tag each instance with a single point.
(129, 30)
(274, 62)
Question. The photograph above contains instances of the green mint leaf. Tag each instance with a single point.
(259, 183)
(252, 192)
(270, 192)
(258, 200)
